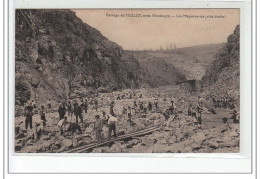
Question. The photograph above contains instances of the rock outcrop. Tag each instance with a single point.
(223, 76)
(57, 56)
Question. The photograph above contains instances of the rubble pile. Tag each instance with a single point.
(178, 134)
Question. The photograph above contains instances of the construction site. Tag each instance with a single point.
(78, 92)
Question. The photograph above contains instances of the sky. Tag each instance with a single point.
(139, 29)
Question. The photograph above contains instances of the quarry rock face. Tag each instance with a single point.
(58, 55)
(223, 77)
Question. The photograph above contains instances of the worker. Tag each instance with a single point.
(69, 108)
(124, 112)
(86, 105)
(200, 100)
(104, 117)
(33, 104)
(141, 107)
(61, 124)
(98, 128)
(156, 103)
(82, 105)
(62, 110)
(28, 112)
(112, 122)
(135, 105)
(145, 110)
(42, 114)
(199, 114)
(73, 127)
(172, 102)
(190, 111)
(112, 104)
(49, 104)
(78, 113)
(96, 103)
(129, 114)
(150, 106)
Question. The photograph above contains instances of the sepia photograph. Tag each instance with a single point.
(127, 81)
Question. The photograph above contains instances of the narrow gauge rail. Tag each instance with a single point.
(87, 147)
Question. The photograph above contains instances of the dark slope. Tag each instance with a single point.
(58, 56)
(223, 76)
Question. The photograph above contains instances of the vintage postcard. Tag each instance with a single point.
(127, 81)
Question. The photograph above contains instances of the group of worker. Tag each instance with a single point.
(29, 109)
(223, 102)
(77, 109)
(110, 120)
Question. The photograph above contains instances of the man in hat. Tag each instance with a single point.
(42, 114)
(104, 117)
(28, 112)
(112, 104)
(49, 104)
(199, 114)
(69, 108)
(150, 106)
(86, 105)
(62, 110)
(78, 112)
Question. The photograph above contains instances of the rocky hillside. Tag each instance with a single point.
(58, 56)
(223, 76)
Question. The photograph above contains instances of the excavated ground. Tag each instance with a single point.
(182, 135)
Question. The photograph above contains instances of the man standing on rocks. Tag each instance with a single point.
(96, 103)
(150, 106)
(86, 106)
(42, 114)
(28, 112)
(98, 128)
(199, 114)
(61, 124)
(156, 103)
(112, 122)
(62, 111)
(49, 104)
(69, 108)
(112, 104)
(33, 104)
(78, 113)
(129, 114)
(104, 118)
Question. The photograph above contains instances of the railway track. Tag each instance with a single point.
(87, 147)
